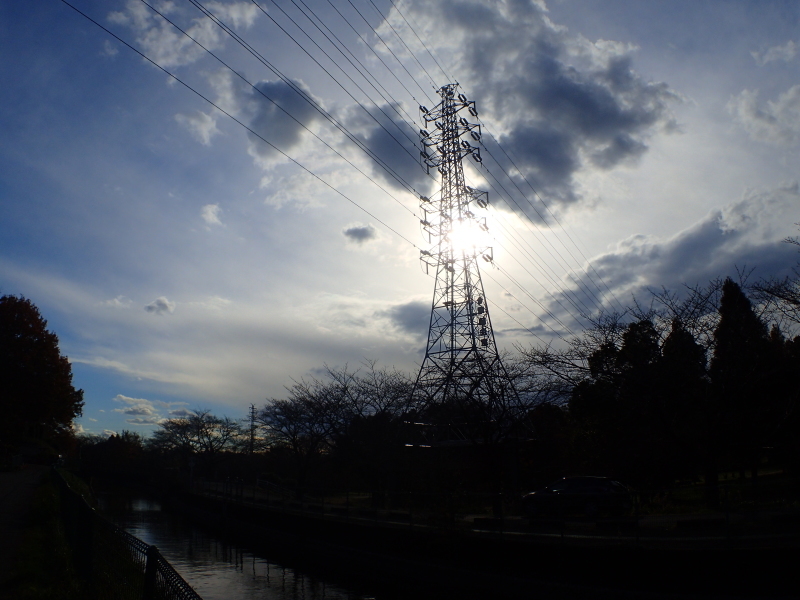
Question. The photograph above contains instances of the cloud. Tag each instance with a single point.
(392, 143)
(169, 47)
(109, 49)
(202, 126)
(210, 214)
(139, 411)
(299, 190)
(786, 53)
(777, 123)
(181, 413)
(144, 421)
(557, 102)
(118, 302)
(360, 234)
(211, 303)
(160, 306)
(135, 406)
(411, 317)
(267, 110)
(737, 236)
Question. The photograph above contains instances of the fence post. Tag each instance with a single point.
(151, 567)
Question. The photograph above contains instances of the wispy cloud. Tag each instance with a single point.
(785, 52)
(169, 47)
(776, 122)
(210, 214)
(201, 125)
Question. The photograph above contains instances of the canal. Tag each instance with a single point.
(219, 569)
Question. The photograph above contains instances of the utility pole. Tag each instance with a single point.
(462, 382)
(252, 428)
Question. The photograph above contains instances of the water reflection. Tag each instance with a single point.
(215, 569)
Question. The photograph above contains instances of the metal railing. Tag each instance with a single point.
(113, 563)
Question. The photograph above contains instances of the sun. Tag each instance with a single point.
(466, 235)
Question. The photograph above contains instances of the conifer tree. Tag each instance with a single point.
(740, 371)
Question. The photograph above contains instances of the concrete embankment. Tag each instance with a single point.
(418, 561)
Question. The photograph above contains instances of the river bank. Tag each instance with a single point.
(405, 561)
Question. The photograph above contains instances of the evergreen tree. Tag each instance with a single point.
(683, 406)
(615, 410)
(742, 372)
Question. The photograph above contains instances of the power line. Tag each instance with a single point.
(363, 71)
(389, 49)
(390, 171)
(549, 251)
(233, 118)
(378, 56)
(557, 254)
(565, 291)
(389, 23)
(411, 27)
(512, 179)
(307, 98)
(528, 329)
(552, 215)
(345, 90)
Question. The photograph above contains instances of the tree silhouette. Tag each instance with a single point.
(684, 385)
(201, 434)
(742, 374)
(38, 398)
(638, 414)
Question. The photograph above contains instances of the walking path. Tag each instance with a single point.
(17, 490)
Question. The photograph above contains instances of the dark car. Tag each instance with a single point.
(589, 496)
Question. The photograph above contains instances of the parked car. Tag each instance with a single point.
(589, 496)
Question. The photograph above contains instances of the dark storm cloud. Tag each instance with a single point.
(412, 317)
(360, 234)
(737, 237)
(562, 102)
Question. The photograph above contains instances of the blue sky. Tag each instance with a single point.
(184, 264)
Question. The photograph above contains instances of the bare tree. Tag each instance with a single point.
(201, 433)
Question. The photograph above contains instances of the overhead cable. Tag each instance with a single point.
(242, 124)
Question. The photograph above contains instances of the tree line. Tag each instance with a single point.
(684, 387)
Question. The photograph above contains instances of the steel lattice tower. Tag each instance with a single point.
(462, 382)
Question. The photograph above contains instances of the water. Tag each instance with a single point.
(217, 569)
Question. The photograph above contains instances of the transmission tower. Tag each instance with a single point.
(462, 382)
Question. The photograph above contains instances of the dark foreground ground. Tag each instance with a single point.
(17, 490)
